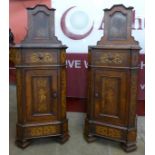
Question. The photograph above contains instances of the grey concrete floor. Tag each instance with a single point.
(76, 144)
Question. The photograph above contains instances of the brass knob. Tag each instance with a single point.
(40, 56)
(96, 94)
(110, 58)
(55, 94)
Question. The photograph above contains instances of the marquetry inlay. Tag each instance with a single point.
(111, 58)
(41, 57)
(109, 132)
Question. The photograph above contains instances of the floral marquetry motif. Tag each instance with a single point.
(44, 130)
(109, 132)
(110, 96)
(111, 58)
(41, 83)
(42, 99)
(41, 104)
(41, 57)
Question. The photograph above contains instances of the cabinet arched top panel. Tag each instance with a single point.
(117, 29)
(117, 26)
(41, 26)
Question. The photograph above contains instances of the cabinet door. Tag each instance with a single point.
(41, 100)
(111, 97)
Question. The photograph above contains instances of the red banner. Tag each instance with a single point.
(77, 75)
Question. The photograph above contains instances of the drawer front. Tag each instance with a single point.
(40, 56)
(119, 58)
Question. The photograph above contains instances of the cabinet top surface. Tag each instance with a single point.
(44, 46)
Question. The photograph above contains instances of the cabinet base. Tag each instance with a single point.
(23, 143)
(127, 137)
(89, 138)
(26, 142)
(129, 147)
(57, 131)
(63, 138)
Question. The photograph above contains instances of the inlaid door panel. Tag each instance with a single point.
(41, 95)
(111, 96)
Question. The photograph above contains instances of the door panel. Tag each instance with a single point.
(41, 95)
(111, 96)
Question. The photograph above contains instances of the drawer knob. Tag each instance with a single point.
(110, 58)
(96, 94)
(40, 57)
(55, 94)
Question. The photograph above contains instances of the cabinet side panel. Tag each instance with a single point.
(133, 98)
(63, 92)
(110, 91)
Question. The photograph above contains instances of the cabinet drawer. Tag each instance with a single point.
(110, 58)
(40, 56)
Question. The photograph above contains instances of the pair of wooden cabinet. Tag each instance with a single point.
(112, 81)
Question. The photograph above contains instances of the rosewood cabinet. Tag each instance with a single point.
(112, 81)
(41, 80)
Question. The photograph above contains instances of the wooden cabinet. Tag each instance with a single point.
(41, 80)
(112, 81)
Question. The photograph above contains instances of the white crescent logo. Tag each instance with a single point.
(70, 34)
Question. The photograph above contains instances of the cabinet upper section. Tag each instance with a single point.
(117, 27)
(41, 27)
